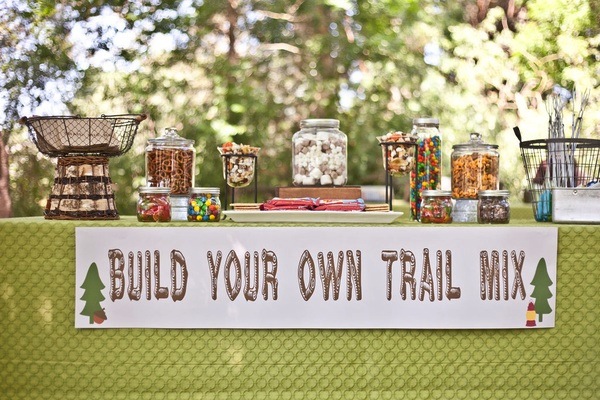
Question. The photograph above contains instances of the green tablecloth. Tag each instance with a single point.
(42, 355)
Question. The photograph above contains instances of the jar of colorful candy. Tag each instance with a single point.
(154, 204)
(204, 205)
(428, 172)
(436, 207)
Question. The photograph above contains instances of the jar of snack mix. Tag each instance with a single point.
(493, 207)
(239, 163)
(319, 155)
(475, 167)
(154, 204)
(398, 151)
(428, 172)
(436, 207)
(170, 162)
(204, 205)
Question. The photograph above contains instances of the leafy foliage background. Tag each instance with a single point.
(251, 70)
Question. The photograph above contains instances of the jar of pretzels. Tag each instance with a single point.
(170, 161)
(475, 167)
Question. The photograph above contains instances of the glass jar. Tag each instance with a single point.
(398, 151)
(204, 205)
(428, 172)
(154, 204)
(493, 207)
(170, 162)
(475, 167)
(436, 207)
(239, 163)
(319, 156)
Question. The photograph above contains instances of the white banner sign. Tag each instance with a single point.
(316, 277)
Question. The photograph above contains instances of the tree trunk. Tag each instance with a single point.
(5, 204)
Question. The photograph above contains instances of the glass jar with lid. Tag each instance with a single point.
(319, 155)
(428, 172)
(475, 166)
(204, 205)
(493, 207)
(436, 207)
(154, 204)
(170, 162)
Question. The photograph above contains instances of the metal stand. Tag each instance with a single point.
(227, 169)
(389, 181)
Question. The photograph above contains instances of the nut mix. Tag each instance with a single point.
(238, 163)
(399, 148)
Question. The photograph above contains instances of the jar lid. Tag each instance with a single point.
(426, 121)
(435, 193)
(206, 190)
(320, 123)
(493, 193)
(475, 143)
(153, 189)
(171, 138)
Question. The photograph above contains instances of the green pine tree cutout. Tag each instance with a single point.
(92, 284)
(541, 292)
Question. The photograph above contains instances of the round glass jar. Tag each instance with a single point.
(170, 162)
(475, 167)
(436, 207)
(428, 172)
(398, 151)
(493, 207)
(154, 204)
(204, 205)
(239, 163)
(319, 155)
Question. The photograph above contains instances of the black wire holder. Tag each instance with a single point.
(389, 178)
(227, 171)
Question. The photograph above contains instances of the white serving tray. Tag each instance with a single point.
(335, 217)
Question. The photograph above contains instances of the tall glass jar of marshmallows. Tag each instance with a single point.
(319, 155)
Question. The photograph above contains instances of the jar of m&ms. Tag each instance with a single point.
(436, 207)
(428, 172)
(319, 156)
(154, 204)
(204, 205)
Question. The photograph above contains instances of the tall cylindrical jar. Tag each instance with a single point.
(427, 174)
(170, 162)
(319, 155)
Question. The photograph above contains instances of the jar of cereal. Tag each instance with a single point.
(475, 166)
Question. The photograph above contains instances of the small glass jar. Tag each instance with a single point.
(428, 172)
(475, 167)
(493, 207)
(319, 155)
(436, 207)
(170, 162)
(204, 205)
(154, 204)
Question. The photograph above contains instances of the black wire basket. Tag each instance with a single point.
(63, 136)
(558, 163)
